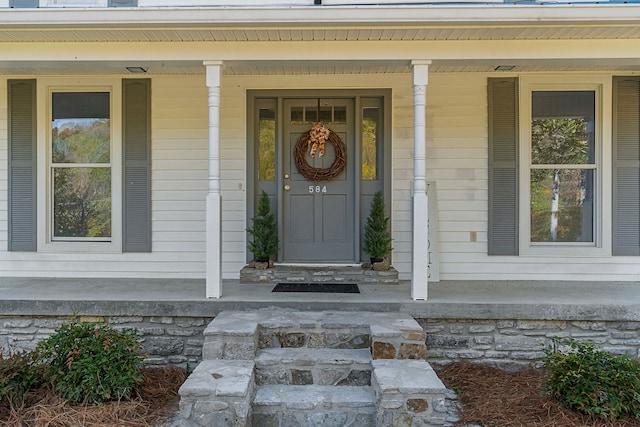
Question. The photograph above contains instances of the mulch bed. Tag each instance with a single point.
(156, 406)
(494, 398)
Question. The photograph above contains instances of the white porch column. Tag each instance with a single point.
(213, 210)
(420, 265)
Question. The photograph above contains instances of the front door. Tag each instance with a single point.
(318, 215)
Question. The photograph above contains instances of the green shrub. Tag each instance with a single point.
(19, 373)
(592, 381)
(92, 363)
(377, 238)
(264, 231)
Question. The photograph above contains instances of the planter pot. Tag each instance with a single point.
(262, 259)
(374, 260)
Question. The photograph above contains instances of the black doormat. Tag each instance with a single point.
(330, 288)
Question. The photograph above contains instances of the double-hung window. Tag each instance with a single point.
(82, 205)
(80, 167)
(561, 167)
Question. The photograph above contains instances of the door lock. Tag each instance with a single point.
(286, 176)
(287, 187)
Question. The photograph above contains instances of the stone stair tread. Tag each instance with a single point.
(313, 356)
(305, 397)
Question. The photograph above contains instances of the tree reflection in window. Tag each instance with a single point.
(562, 167)
(370, 119)
(267, 144)
(80, 165)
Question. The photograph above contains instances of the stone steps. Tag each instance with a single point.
(314, 405)
(311, 274)
(277, 368)
(313, 366)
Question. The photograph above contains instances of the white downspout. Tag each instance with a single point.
(213, 210)
(420, 261)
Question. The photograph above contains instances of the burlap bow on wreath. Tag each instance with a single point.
(314, 140)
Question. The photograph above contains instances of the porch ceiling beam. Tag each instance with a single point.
(324, 16)
(625, 49)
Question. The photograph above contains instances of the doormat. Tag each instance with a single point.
(329, 288)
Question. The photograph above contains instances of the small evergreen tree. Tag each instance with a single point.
(264, 231)
(377, 238)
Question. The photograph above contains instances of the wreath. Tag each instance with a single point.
(314, 140)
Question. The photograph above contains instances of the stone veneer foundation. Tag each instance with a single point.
(506, 343)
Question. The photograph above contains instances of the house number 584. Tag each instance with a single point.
(317, 189)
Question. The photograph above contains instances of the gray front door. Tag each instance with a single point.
(318, 216)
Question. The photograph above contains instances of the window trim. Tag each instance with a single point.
(602, 86)
(46, 87)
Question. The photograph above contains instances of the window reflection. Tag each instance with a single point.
(370, 129)
(267, 144)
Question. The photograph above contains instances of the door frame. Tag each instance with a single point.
(251, 150)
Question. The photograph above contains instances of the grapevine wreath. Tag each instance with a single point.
(314, 140)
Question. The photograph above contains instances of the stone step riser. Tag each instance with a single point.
(325, 418)
(287, 274)
(318, 376)
(314, 406)
(389, 337)
(314, 367)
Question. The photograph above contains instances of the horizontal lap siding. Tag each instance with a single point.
(179, 172)
(457, 161)
(179, 175)
(233, 148)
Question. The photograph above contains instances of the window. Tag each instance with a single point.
(80, 166)
(561, 167)
(71, 148)
(82, 208)
(550, 159)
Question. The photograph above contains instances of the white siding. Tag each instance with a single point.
(457, 149)
(179, 177)
(457, 163)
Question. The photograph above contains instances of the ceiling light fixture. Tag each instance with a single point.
(504, 67)
(137, 70)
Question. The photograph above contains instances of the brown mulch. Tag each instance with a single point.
(495, 398)
(155, 407)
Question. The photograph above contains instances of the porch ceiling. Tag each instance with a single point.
(425, 22)
(426, 32)
(105, 40)
(290, 68)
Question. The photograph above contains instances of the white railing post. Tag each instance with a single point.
(213, 210)
(420, 261)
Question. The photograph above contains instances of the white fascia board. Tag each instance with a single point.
(433, 15)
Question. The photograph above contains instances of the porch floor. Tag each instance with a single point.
(557, 300)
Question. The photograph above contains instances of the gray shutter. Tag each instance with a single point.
(503, 166)
(19, 4)
(136, 112)
(123, 3)
(22, 213)
(626, 166)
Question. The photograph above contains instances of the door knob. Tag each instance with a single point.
(287, 187)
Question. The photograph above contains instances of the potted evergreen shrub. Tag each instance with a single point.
(377, 237)
(264, 231)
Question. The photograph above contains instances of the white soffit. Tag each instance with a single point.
(346, 23)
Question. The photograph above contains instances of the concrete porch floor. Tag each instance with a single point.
(556, 300)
